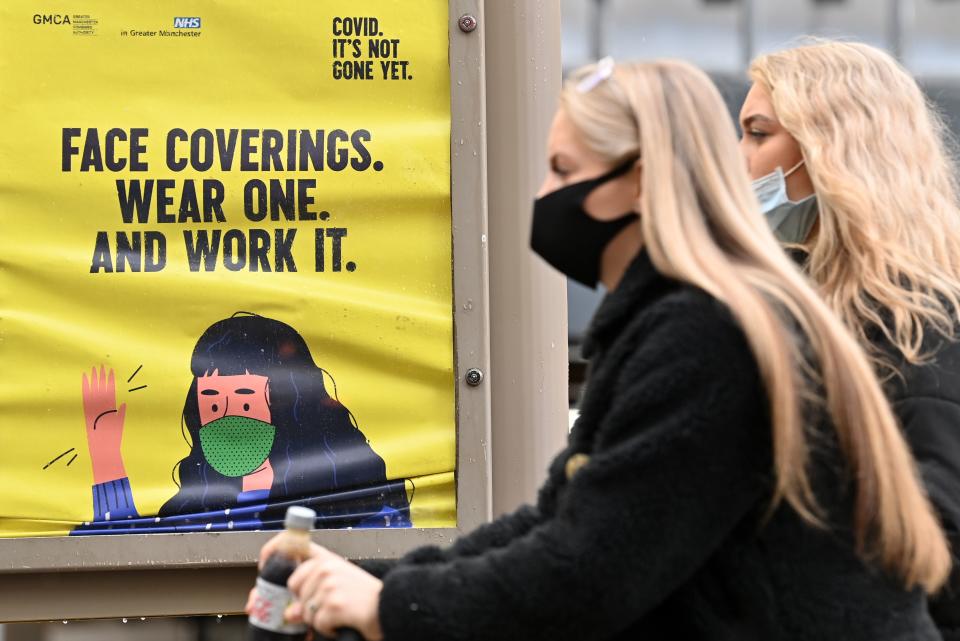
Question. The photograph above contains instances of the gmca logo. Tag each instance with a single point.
(53, 19)
(186, 23)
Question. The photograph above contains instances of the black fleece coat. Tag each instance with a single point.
(926, 399)
(651, 523)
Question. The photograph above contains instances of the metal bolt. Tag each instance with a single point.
(474, 377)
(467, 23)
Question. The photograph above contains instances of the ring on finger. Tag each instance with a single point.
(312, 608)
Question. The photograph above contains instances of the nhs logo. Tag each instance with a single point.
(186, 23)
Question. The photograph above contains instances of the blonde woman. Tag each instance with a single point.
(871, 208)
(735, 472)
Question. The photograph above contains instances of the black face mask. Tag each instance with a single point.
(565, 236)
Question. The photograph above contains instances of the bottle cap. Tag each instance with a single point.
(300, 518)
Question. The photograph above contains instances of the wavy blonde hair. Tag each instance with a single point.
(701, 225)
(887, 256)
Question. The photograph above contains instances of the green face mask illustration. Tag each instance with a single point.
(236, 445)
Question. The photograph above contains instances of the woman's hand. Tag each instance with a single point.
(104, 422)
(333, 593)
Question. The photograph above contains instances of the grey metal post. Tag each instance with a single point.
(894, 27)
(528, 315)
(746, 24)
(597, 15)
(901, 12)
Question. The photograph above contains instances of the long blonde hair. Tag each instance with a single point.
(887, 256)
(701, 225)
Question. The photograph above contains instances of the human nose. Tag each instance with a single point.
(234, 405)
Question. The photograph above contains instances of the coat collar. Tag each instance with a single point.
(639, 283)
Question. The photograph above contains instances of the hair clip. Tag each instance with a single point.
(604, 69)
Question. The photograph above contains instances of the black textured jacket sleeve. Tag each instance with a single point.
(676, 463)
(491, 535)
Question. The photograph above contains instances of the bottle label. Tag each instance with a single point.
(269, 605)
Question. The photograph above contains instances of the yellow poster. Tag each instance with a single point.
(225, 266)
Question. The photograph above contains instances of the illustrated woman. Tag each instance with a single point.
(263, 432)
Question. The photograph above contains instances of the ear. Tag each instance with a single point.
(267, 390)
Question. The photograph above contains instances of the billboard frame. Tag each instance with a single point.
(150, 575)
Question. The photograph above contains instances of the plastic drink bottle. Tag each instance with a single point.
(266, 622)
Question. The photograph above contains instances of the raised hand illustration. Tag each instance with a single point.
(104, 421)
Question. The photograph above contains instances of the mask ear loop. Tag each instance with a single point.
(627, 165)
(622, 167)
(792, 169)
(795, 167)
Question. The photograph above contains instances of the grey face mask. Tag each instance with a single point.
(791, 221)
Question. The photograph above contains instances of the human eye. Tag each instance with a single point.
(559, 169)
